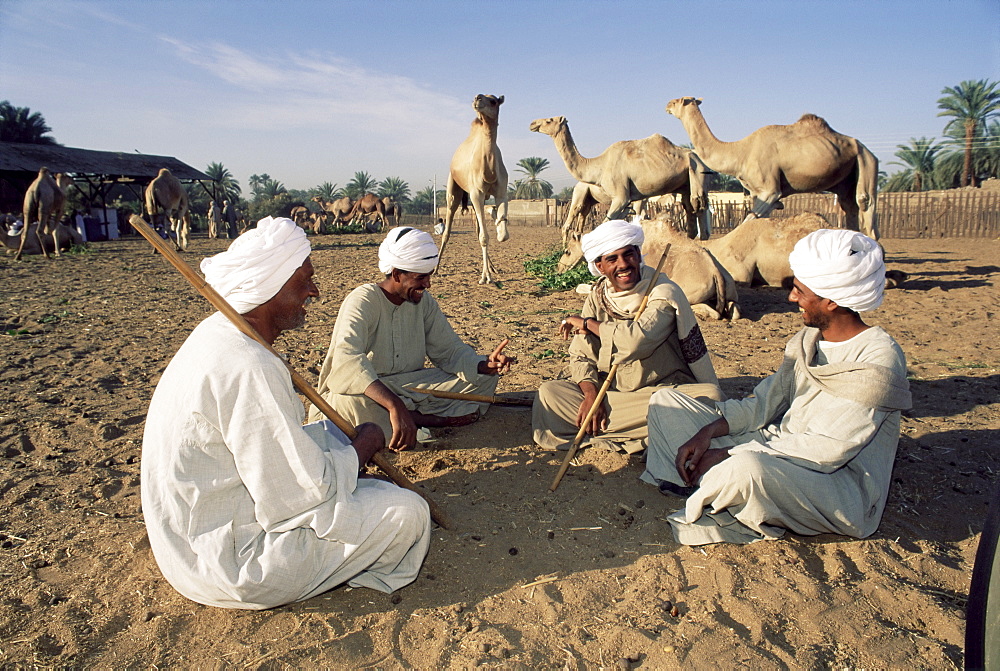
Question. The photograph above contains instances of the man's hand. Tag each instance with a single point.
(497, 362)
(368, 442)
(573, 325)
(599, 422)
(404, 429)
(691, 454)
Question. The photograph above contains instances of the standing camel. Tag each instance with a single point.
(627, 171)
(393, 210)
(775, 161)
(372, 209)
(43, 202)
(340, 208)
(476, 173)
(166, 200)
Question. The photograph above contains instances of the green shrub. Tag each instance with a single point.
(544, 267)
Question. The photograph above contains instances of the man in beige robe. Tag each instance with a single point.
(811, 450)
(662, 348)
(384, 333)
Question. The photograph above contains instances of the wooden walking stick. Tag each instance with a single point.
(607, 383)
(306, 389)
(476, 398)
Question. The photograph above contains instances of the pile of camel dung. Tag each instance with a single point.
(588, 576)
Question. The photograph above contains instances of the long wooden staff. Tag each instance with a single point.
(607, 383)
(476, 398)
(306, 389)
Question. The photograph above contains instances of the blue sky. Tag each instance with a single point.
(309, 92)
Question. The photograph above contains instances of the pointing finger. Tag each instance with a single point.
(503, 343)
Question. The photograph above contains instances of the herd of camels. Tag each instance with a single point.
(772, 162)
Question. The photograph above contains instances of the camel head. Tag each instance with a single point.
(487, 106)
(676, 105)
(548, 126)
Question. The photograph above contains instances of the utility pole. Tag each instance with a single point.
(434, 195)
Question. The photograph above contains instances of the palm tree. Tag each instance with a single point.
(256, 182)
(361, 184)
(20, 124)
(918, 161)
(220, 175)
(972, 104)
(271, 188)
(531, 185)
(327, 191)
(395, 188)
(423, 200)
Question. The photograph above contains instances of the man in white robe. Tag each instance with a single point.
(244, 506)
(663, 348)
(812, 449)
(384, 333)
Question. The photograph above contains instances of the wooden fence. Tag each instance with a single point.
(956, 213)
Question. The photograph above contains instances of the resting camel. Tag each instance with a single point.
(340, 209)
(476, 173)
(64, 238)
(756, 251)
(166, 200)
(635, 169)
(372, 209)
(709, 289)
(393, 210)
(43, 202)
(775, 161)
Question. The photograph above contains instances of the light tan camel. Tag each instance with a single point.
(64, 236)
(340, 209)
(371, 208)
(756, 251)
(393, 210)
(476, 173)
(635, 169)
(805, 157)
(709, 289)
(167, 201)
(43, 202)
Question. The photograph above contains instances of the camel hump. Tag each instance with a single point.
(163, 171)
(815, 123)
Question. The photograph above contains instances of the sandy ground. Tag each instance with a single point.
(85, 338)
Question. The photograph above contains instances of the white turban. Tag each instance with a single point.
(844, 266)
(608, 237)
(409, 249)
(258, 263)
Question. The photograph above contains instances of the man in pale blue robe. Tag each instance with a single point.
(244, 506)
(811, 450)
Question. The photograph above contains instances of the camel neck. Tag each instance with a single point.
(581, 168)
(716, 154)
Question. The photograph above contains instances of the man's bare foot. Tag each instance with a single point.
(421, 419)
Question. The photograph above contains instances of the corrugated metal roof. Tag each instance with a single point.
(19, 157)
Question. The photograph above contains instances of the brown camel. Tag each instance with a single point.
(775, 161)
(476, 173)
(166, 200)
(301, 215)
(371, 208)
(635, 169)
(43, 202)
(340, 209)
(393, 210)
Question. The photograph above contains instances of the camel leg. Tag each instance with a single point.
(478, 206)
(850, 208)
(762, 206)
(24, 238)
(454, 199)
(500, 220)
